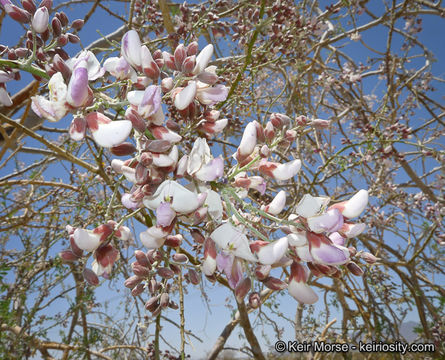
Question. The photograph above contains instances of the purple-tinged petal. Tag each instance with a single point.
(150, 102)
(164, 214)
(337, 239)
(212, 95)
(131, 48)
(77, 93)
(330, 221)
(325, 252)
(211, 171)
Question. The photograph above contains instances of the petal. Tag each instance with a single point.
(352, 230)
(135, 97)
(77, 128)
(131, 48)
(182, 200)
(310, 206)
(153, 237)
(86, 240)
(203, 59)
(185, 97)
(297, 239)
(325, 252)
(277, 204)
(214, 204)
(248, 141)
(330, 221)
(128, 203)
(355, 205)
(164, 214)
(212, 170)
(5, 98)
(230, 238)
(213, 95)
(337, 239)
(298, 288)
(77, 93)
(304, 254)
(282, 172)
(273, 252)
(107, 133)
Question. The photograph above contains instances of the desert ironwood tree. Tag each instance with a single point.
(273, 148)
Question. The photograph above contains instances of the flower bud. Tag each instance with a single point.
(173, 305)
(63, 18)
(90, 277)
(262, 271)
(16, 13)
(165, 273)
(164, 300)
(142, 259)
(29, 6)
(152, 303)
(180, 258)
(242, 289)
(167, 84)
(138, 290)
(192, 48)
(193, 277)
(56, 27)
(139, 270)
(68, 256)
(62, 40)
(124, 149)
(132, 281)
(173, 240)
(40, 20)
(275, 284)
(321, 124)
(354, 268)
(77, 24)
(176, 269)
(47, 3)
(197, 236)
(368, 257)
(179, 56)
(73, 39)
(254, 300)
(189, 64)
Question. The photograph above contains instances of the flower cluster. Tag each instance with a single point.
(183, 186)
